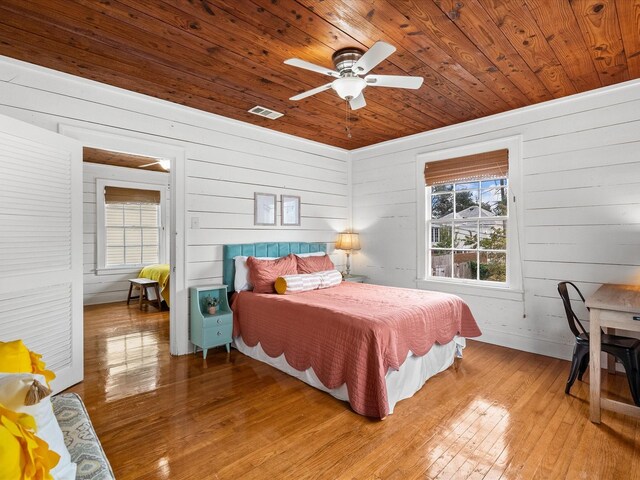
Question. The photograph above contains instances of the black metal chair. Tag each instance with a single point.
(625, 349)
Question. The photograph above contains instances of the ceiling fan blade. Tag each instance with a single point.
(373, 57)
(296, 62)
(308, 93)
(394, 81)
(357, 102)
(148, 164)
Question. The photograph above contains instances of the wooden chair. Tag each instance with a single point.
(143, 297)
(625, 349)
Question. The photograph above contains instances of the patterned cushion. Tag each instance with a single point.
(304, 282)
(80, 438)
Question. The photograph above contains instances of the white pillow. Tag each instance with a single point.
(241, 280)
(13, 389)
(314, 254)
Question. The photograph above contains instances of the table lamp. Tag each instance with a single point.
(348, 242)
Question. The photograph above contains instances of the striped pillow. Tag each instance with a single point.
(288, 284)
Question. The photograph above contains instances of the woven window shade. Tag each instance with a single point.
(130, 195)
(470, 167)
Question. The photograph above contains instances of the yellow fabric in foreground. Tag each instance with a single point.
(22, 454)
(38, 366)
(15, 357)
(159, 272)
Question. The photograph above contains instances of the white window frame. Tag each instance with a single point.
(512, 289)
(101, 240)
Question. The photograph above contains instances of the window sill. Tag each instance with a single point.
(119, 270)
(459, 288)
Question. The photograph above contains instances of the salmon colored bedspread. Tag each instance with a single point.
(353, 333)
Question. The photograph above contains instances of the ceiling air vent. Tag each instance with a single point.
(265, 112)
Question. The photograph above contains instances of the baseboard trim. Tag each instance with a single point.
(526, 344)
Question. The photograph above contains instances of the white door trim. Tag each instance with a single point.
(114, 139)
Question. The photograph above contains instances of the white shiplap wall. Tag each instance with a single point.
(226, 161)
(581, 213)
(104, 287)
(581, 177)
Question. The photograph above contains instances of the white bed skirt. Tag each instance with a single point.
(401, 384)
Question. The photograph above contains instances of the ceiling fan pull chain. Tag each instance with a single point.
(347, 117)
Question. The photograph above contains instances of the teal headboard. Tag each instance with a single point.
(271, 249)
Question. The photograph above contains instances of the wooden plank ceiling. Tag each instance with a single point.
(478, 57)
(118, 159)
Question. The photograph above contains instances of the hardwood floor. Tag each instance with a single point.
(499, 413)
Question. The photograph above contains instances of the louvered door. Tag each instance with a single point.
(41, 245)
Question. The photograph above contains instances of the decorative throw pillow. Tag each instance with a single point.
(22, 454)
(315, 264)
(308, 281)
(15, 389)
(263, 273)
(241, 281)
(15, 357)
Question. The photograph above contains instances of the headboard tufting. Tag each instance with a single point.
(267, 249)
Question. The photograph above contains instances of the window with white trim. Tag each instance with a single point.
(130, 225)
(467, 215)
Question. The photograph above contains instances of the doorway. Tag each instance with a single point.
(112, 140)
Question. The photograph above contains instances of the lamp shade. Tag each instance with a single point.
(348, 241)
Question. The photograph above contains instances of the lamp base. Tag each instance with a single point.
(347, 273)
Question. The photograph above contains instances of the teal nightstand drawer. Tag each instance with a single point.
(220, 318)
(218, 335)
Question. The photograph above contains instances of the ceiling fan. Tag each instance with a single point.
(350, 64)
(164, 163)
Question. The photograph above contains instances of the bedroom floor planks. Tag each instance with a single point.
(497, 414)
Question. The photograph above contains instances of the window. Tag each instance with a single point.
(132, 234)
(131, 230)
(468, 235)
(468, 222)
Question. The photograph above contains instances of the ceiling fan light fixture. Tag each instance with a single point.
(348, 87)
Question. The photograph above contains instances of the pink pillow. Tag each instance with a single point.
(263, 273)
(315, 264)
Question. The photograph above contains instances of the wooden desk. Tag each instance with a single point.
(615, 306)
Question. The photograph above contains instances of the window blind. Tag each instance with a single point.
(130, 195)
(470, 167)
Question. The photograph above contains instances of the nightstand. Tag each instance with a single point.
(210, 330)
(355, 278)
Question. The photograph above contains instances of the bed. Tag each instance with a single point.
(366, 344)
(161, 273)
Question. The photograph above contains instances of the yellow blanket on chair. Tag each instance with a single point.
(159, 272)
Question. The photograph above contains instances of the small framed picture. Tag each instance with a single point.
(290, 214)
(264, 209)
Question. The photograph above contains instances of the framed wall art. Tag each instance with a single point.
(264, 209)
(290, 214)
